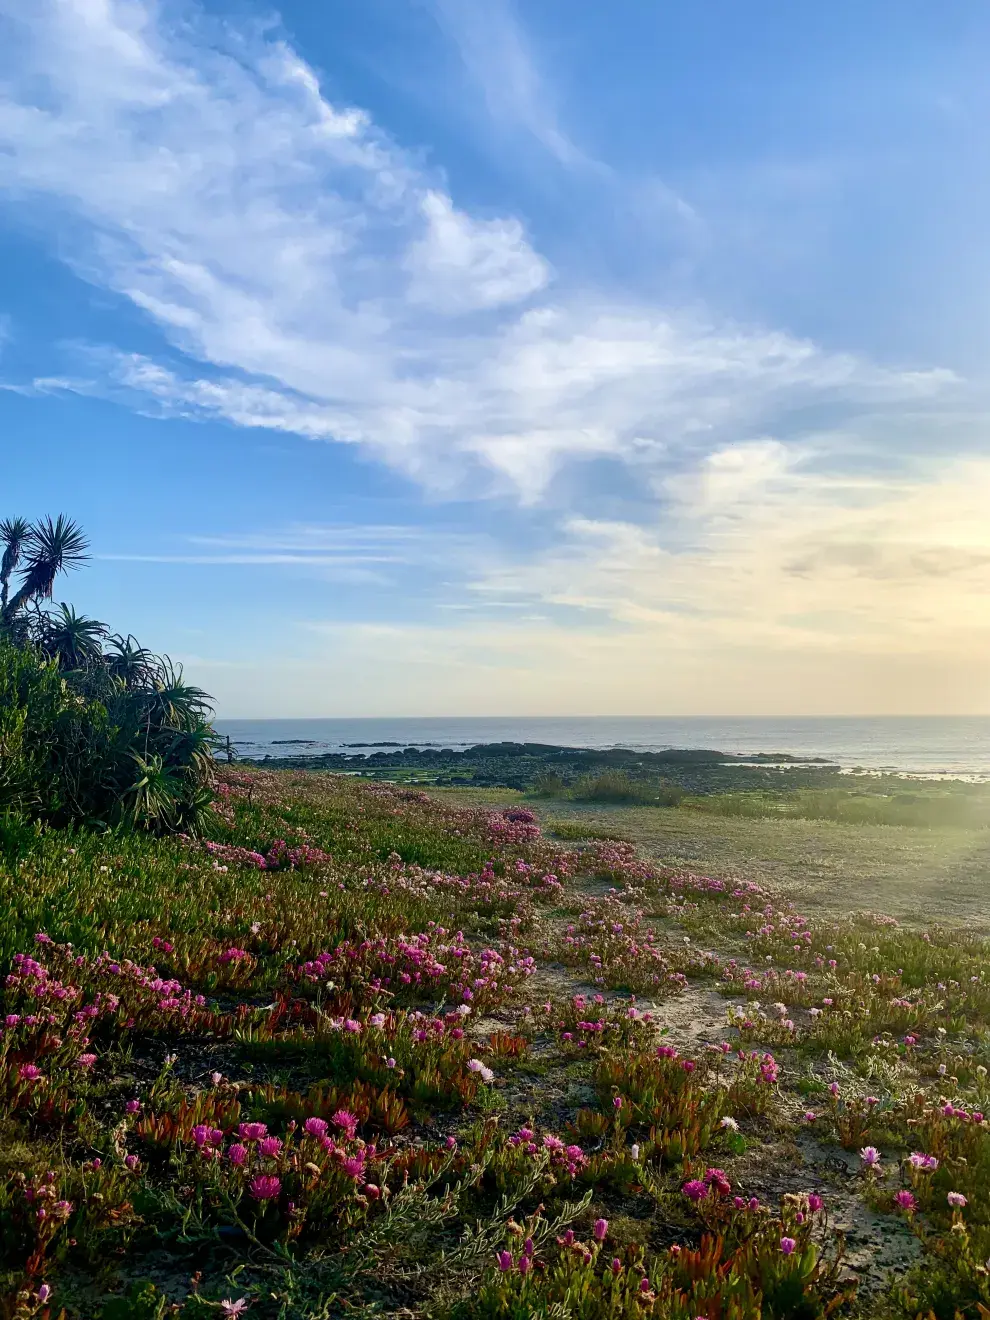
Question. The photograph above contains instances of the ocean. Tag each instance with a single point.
(925, 745)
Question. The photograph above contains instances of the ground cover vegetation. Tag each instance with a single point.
(768, 786)
(352, 1050)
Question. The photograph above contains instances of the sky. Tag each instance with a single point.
(449, 357)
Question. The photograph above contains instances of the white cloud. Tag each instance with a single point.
(461, 264)
(758, 550)
(321, 282)
(495, 54)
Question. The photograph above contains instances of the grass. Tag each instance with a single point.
(364, 1051)
(917, 875)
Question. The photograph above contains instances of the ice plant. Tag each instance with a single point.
(265, 1187)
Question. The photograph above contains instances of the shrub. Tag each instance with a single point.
(548, 784)
(93, 729)
(615, 786)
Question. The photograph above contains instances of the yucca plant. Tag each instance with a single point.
(93, 727)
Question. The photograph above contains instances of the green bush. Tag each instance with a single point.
(93, 729)
(548, 784)
(614, 786)
(98, 756)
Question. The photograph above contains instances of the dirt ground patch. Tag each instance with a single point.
(918, 875)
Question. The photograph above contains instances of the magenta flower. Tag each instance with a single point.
(265, 1187)
(29, 1072)
(237, 1154)
(252, 1131)
(870, 1156)
(270, 1147)
(505, 1261)
(787, 1245)
(600, 1229)
(814, 1202)
(344, 1119)
(525, 1265)
(316, 1127)
(716, 1178)
(695, 1190)
(905, 1201)
(85, 1061)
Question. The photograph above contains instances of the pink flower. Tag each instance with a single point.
(695, 1190)
(787, 1245)
(918, 1160)
(44, 1292)
(956, 1200)
(133, 1107)
(505, 1261)
(600, 1229)
(252, 1131)
(716, 1178)
(814, 1202)
(237, 1154)
(316, 1127)
(265, 1187)
(131, 1161)
(270, 1147)
(870, 1156)
(344, 1119)
(230, 1308)
(525, 1265)
(905, 1201)
(85, 1061)
(29, 1072)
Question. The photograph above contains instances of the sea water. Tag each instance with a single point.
(929, 745)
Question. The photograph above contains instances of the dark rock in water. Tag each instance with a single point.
(295, 742)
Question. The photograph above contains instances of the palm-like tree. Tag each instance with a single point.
(132, 664)
(70, 638)
(14, 533)
(47, 548)
(174, 702)
(136, 745)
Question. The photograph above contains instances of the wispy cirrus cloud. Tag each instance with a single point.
(312, 276)
(498, 59)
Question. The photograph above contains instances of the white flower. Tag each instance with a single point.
(729, 1124)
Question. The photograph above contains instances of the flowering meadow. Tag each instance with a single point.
(352, 1051)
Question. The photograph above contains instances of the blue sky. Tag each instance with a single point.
(439, 357)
